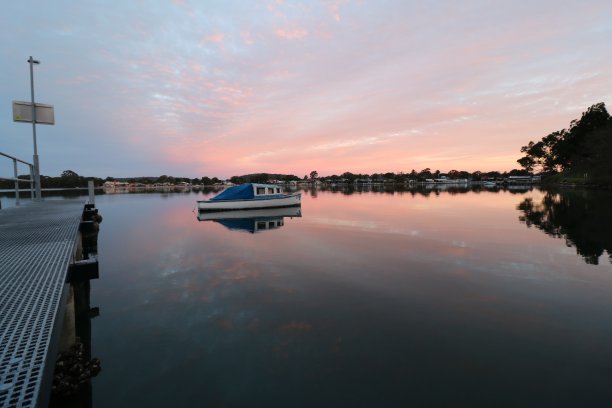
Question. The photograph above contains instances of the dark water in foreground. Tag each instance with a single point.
(370, 299)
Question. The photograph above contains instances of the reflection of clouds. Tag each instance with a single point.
(409, 232)
(224, 324)
(337, 345)
(460, 244)
(240, 270)
(372, 226)
(170, 271)
(253, 325)
(536, 272)
(325, 300)
(290, 340)
(363, 225)
(296, 327)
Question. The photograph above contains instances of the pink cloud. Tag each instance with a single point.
(215, 38)
(291, 34)
(386, 90)
(334, 8)
(246, 37)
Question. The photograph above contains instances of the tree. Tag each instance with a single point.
(314, 175)
(518, 172)
(70, 179)
(349, 177)
(68, 173)
(574, 148)
(425, 173)
(535, 156)
(454, 174)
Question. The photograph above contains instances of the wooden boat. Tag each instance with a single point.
(250, 196)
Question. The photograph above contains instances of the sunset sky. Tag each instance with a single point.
(221, 88)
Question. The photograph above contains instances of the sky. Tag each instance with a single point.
(219, 88)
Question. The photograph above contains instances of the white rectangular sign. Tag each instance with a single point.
(22, 112)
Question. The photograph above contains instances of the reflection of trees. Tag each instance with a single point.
(413, 190)
(582, 218)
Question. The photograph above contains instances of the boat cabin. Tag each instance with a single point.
(266, 189)
(251, 191)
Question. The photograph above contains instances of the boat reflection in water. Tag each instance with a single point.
(252, 220)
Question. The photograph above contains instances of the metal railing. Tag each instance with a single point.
(18, 180)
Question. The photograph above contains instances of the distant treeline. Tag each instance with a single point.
(580, 153)
(262, 178)
(421, 175)
(70, 179)
(400, 178)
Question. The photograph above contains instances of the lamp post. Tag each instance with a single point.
(32, 61)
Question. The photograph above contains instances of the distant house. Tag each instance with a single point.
(115, 184)
(363, 181)
(523, 179)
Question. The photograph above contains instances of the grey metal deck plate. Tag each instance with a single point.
(37, 244)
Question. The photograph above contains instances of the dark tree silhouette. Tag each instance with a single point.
(582, 148)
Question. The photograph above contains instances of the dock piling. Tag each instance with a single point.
(92, 195)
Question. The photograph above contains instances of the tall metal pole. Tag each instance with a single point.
(32, 61)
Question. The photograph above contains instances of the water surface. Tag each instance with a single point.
(422, 298)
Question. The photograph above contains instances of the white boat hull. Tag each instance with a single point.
(288, 200)
(262, 213)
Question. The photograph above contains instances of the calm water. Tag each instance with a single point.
(370, 299)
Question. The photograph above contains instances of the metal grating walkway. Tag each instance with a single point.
(37, 244)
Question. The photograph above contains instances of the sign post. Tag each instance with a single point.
(32, 61)
(35, 113)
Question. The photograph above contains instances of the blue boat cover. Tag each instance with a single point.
(241, 192)
(242, 224)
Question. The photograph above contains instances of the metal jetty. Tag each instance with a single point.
(38, 245)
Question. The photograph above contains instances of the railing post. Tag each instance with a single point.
(16, 182)
(92, 193)
(31, 181)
